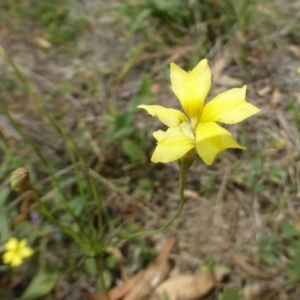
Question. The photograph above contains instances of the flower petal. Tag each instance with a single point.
(24, 250)
(11, 244)
(16, 261)
(229, 107)
(7, 257)
(172, 145)
(212, 139)
(159, 135)
(191, 88)
(169, 116)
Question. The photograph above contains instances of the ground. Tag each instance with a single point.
(91, 71)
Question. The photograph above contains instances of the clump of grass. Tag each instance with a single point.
(201, 23)
(53, 20)
(284, 245)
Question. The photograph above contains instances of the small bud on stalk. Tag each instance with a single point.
(20, 180)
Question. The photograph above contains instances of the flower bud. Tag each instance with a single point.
(20, 180)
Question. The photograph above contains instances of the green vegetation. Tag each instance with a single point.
(54, 21)
(73, 76)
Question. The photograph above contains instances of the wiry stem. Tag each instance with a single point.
(184, 166)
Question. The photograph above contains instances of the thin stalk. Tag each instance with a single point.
(98, 260)
(65, 229)
(182, 173)
(69, 145)
(99, 212)
(72, 150)
(37, 101)
(8, 153)
(42, 158)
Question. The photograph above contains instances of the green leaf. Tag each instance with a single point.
(230, 293)
(293, 269)
(145, 95)
(293, 249)
(90, 266)
(166, 296)
(288, 230)
(41, 284)
(140, 20)
(112, 108)
(4, 221)
(134, 151)
(111, 262)
(269, 250)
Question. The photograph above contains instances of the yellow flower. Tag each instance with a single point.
(16, 251)
(197, 127)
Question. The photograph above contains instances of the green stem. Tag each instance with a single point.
(65, 229)
(68, 143)
(183, 170)
(73, 153)
(44, 160)
(98, 208)
(99, 264)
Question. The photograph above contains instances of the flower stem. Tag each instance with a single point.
(80, 241)
(183, 170)
(99, 263)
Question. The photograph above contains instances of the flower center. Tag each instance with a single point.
(194, 123)
(187, 130)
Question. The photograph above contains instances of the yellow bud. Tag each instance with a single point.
(20, 180)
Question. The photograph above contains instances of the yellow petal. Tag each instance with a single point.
(169, 116)
(171, 146)
(191, 88)
(26, 252)
(7, 257)
(159, 135)
(16, 261)
(11, 244)
(212, 139)
(229, 107)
